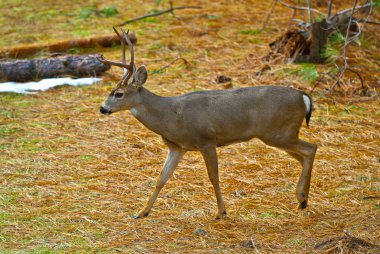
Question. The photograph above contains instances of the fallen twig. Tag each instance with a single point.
(170, 10)
(360, 76)
(372, 22)
(173, 62)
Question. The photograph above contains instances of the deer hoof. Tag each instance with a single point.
(302, 204)
(141, 215)
(221, 215)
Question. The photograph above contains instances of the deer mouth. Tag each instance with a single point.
(105, 111)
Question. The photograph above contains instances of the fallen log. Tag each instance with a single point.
(30, 70)
(61, 46)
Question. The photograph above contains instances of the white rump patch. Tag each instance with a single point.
(307, 101)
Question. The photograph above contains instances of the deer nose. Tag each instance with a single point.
(105, 111)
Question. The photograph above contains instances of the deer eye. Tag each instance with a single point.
(119, 95)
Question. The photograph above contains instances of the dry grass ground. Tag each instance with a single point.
(71, 179)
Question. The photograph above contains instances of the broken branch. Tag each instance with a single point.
(300, 8)
(269, 15)
(170, 10)
(329, 7)
(371, 4)
(309, 11)
(343, 69)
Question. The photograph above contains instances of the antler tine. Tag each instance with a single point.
(105, 61)
(122, 42)
(131, 66)
(122, 64)
(132, 62)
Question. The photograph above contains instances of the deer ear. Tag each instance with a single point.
(140, 76)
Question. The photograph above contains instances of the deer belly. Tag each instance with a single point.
(231, 138)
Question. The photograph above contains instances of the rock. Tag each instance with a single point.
(250, 244)
(239, 193)
(200, 232)
(220, 79)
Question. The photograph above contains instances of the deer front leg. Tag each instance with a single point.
(211, 160)
(172, 160)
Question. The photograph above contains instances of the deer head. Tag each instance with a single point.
(126, 93)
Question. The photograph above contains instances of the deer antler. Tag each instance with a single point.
(131, 67)
(128, 69)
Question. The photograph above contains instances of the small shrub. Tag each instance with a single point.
(333, 47)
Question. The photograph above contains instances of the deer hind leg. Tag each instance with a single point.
(172, 160)
(296, 156)
(211, 160)
(304, 152)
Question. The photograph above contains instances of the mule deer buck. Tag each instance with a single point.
(203, 121)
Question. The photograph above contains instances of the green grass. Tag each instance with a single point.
(86, 157)
(8, 131)
(251, 31)
(308, 72)
(89, 12)
(305, 71)
(8, 199)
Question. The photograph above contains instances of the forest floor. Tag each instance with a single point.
(71, 179)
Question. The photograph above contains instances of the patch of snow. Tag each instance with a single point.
(42, 85)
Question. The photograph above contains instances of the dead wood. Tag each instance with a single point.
(61, 46)
(29, 70)
(307, 46)
(346, 244)
(288, 46)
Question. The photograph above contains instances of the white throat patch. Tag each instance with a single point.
(134, 112)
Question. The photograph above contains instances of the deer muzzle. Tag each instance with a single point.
(105, 111)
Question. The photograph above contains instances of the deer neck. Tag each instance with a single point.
(152, 111)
